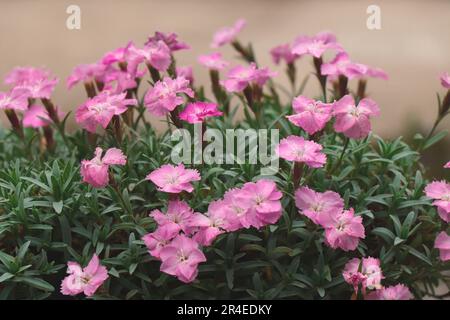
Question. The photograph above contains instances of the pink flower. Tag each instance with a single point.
(447, 165)
(315, 45)
(440, 191)
(86, 280)
(156, 54)
(227, 34)
(442, 243)
(197, 112)
(39, 82)
(86, 73)
(170, 39)
(213, 61)
(354, 121)
(95, 171)
(117, 81)
(16, 99)
(344, 230)
(241, 210)
(169, 178)
(368, 274)
(185, 72)
(377, 73)
(397, 292)
(341, 65)
(181, 258)
(445, 80)
(298, 149)
(283, 52)
(263, 200)
(100, 109)
(163, 97)
(177, 218)
(311, 115)
(318, 206)
(37, 116)
(239, 77)
(116, 55)
(157, 240)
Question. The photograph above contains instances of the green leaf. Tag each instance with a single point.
(36, 283)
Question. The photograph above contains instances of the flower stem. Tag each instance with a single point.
(341, 156)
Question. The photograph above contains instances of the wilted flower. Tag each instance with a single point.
(354, 120)
(174, 179)
(86, 280)
(315, 45)
(297, 149)
(96, 171)
(442, 243)
(170, 39)
(227, 34)
(177, 218)
(181, 258)
(197, 112)
(213, 61)
(239, 77)
(440, 192)
(397, 292)
(344, 230)
(311, 115)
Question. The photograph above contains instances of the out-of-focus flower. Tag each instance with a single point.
(284, 53)
(155, 241)
(227, 34)
(197, 112)
(174, 179)
(440, 192)
(366, 272)
(185, 72)
(86, 280)
(442, 243)
(170, 39)
(213, 61)
(397, 292)
(181, 258)
(318, 206)
(447, 165)
(37, 116)
(297, 149)
(16, 99)
(315, 45)
(341, 65)
(86, 73)
(39, 82)
(343, 230)
(96, 171)
(354, 120)
(311, 115)
(239, 77)
(156, 54)
(100, 109)
(445, 80)
(177, 218)
(164, 96)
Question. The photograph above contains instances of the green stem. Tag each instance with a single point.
(341, 156)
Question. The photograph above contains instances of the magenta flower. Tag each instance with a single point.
(354, 121)
(86, 73)
(315, 45)
(157, 240)
(318, 206)
(170, 39)
(197, 112)
(227, 34)
(341, 65)
(344, 230)
(442, 243)
(397, 292)
(185, 72)
(164, 96)
(177, 218)
(366, 272)
(174, 179)
(96, 171)
(16, 99)
(297, 149)
(181, 258)
(86, 280)
(283, 52)
(311, 115)
(445, 80)
(447, 165)
(37, 116)
(440, 192)
(213, 61)
(100, 110)
(239, 77)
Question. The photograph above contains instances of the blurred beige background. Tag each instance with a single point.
(412, 46)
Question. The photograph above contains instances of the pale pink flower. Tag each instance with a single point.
(445, 80)
(185, 72)
(164, 96)
(318, 206)
(354, 120)
(100, 109)
(16, 99)
(156, 54)
(442, 243)
(239, 209)
(315, 45)
(440, 192)
(311, 115)
(297, 149)
(367, 272)
(341, 65)
(86, 73)
(447, 165)
(86, 280)
(181, 258)
(170, 39)
(117, 81)
(96, 171)
(197, 112)
(376, 73)
(177, 218)
(37, 116)
(344, 230)
(213, 61)
(283, 52)
(39, 82)
(157, 240)
(397, 292)
(227, 34)
(239, 77)
(174, 179)
(263, 200)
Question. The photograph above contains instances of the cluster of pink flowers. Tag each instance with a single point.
(366, 274)
(342, 228)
